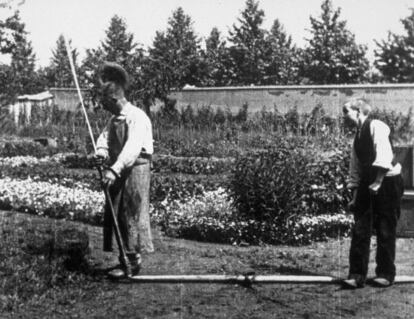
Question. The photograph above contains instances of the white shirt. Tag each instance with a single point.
(383, 154)
(139, 132)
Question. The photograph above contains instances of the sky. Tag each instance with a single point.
(85, 21)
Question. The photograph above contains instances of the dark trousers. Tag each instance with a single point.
(379, 212)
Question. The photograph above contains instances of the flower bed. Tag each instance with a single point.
(212, 218)
(43, 198)
(208, 217)
(194, 206)
(163, 185)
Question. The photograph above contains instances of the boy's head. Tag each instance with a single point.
(356, 107)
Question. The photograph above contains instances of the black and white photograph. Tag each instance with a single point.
(207, 159)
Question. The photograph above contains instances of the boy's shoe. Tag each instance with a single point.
(352, 283)
(382, 282)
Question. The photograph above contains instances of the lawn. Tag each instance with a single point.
(86, 293)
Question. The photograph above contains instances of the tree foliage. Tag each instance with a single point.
(118, 46)
(332, 55)
(20, 76)
(216, 60)
(282, 66)
(58, 73)
(248, 49)
(174, 59)
(395, 56)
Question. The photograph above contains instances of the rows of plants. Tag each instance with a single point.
(267, 195)
(207, 215)
(271, 173)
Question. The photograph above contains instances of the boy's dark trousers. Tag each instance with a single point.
(379, 212)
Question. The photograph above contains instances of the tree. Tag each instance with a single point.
(282, 67)
(174, 59)
(332, 55)
(58, 73)
(22, 65)
(248, 50)
(216, 61)
(395, 56)
(9, 27)
(118, 46)
(8, 30)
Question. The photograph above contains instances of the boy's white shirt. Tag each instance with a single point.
(383, 154)
(139, 137)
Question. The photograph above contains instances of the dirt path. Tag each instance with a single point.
(101, 298)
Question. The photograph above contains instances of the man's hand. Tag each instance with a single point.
(351, 204)
(97, 160)
(374, 187)
(108, 177)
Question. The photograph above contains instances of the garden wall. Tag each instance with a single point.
(398, 97)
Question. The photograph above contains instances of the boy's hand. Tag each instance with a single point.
(108, 177)
(374, 187)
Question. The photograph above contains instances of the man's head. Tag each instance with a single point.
(114, 80)
(356, 109)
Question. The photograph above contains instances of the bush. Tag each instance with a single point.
(289, 179)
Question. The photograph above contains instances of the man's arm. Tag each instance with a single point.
(133, 146)
(102, 143)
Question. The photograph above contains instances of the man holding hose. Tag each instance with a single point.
(377, 186)
(124, 148)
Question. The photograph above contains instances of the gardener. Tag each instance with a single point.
(125, 146)
(377, 186)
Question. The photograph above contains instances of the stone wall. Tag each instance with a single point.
(398, 97)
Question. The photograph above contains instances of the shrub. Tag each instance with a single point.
(288, 180)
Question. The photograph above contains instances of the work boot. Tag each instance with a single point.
(135, 263)
(117, 273)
